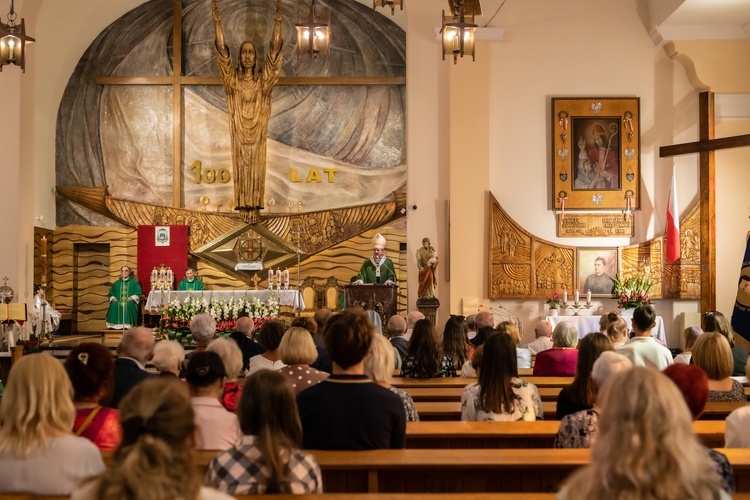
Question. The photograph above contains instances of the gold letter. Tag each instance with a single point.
(197, 167)
(293, 175)
(330, 172)
(313, 175)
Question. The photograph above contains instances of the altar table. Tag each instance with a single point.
(290, 298)
(588, 324)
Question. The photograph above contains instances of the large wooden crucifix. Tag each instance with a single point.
(707, 146)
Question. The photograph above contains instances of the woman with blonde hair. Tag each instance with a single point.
(617, 330)
(168, 358)
(155, 458)
(712, 354)
(38, 452)
(267, 458)
(297, 351)
(379, 367)
(231, 356)
(646, 447)
(691, 335)
(523, 354)
(714, 321)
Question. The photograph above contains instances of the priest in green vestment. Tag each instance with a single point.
(190, 282)
(378, 268)
(124, 296)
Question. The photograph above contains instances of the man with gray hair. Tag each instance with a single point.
(543, 341)
(135, 350)
(485, 318)
(396, 329)
(203, 329)
(243, 335)
(411, 320)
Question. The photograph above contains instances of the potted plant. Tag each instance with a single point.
(632, 292)
(554, 302)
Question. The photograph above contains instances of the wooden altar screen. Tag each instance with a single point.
(379, 298)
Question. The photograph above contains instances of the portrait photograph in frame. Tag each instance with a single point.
(596, 153)
(596, 270)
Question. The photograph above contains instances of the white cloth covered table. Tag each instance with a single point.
(588, 324)
(289, 298)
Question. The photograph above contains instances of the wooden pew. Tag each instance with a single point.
(539, 434)
(454, 393)
(405, 382)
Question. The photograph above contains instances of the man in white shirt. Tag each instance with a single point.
(543, 340)
(643, 350)
(411, 320)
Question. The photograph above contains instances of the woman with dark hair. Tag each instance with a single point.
(714, 321)
(581, 394)
(155, 458)
(90, 367)
(500, 394)
(455, 342)
(426, 359)
(269, 338)
(267, 459)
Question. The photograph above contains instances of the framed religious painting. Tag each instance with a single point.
(596, 161)
(595, 271)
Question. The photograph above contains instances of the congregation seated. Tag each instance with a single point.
(561, 360)
(542, 340)
(231, 357)
(456, 344)
(203, 330)
(691, 334)
(523, 355)
(135, 350)
(155, 458)
(693, 384)
(379, 368)
(168, 358)
(469, 368)
(348, 411)
(218, 429)
(643, 349)
(243, 335)
(267, 458)
(581, 394)
(579, 430)
(321, 317)
(646, 447)
(297, 351)
(38, 452)
(500, 394)
(605, 319)
(396, 328)
(617, 330)
(714, 321)
(322, 361)
(737, 422)
(269, 338)
(90, 368)
(411, 320)
(712, 354)
(426, 358)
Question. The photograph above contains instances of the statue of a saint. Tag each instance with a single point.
(248, 88)
(427, 261)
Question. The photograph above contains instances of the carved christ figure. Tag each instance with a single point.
(249, 88)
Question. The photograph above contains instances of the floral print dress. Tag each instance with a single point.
(527, 404)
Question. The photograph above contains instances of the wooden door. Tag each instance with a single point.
(91, 282)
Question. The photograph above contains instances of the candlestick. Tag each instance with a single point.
(578, 295)
(588, 296)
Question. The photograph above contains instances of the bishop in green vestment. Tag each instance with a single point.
(378, 268)
(124, 297)
(190, 282)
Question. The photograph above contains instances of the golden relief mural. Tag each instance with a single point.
(524, 266)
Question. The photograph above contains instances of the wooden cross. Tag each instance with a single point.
(706, 146)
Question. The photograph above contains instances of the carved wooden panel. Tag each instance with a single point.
(682, 279)
(644, 259)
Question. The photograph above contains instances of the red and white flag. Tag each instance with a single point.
(672, 234)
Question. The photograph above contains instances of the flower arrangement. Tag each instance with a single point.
(176, 315)
(554, 301)
(632, 292)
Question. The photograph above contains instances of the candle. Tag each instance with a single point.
(578, 295)
(44, 246)
(588, 297)
(278, 278)
(565, 297)
(286, 277)
(270, 277)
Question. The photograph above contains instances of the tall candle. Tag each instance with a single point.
(286, 277)
(44, 246)
(578, 295)
(588, 297)
(565, 297)
(278, 277)
(270, 277)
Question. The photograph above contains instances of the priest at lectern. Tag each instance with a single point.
(378, 268)
(123, 301)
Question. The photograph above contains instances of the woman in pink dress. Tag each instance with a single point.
(90, 367)
(561, 360)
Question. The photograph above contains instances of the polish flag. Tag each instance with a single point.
(672, 235)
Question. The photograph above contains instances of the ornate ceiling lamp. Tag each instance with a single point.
(313, 36)
(388, 3)
(13, 41)
(457, 34)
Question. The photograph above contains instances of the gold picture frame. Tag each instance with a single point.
(596, 153)
(595, 269)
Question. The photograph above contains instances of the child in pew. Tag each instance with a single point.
(267, 458)
(38, 453)
(646, 447)
(155, 458)
(500, 394)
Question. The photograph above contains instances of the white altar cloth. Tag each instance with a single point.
(290, 298)
(588, 324)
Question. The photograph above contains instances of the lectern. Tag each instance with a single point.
(379, 298)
